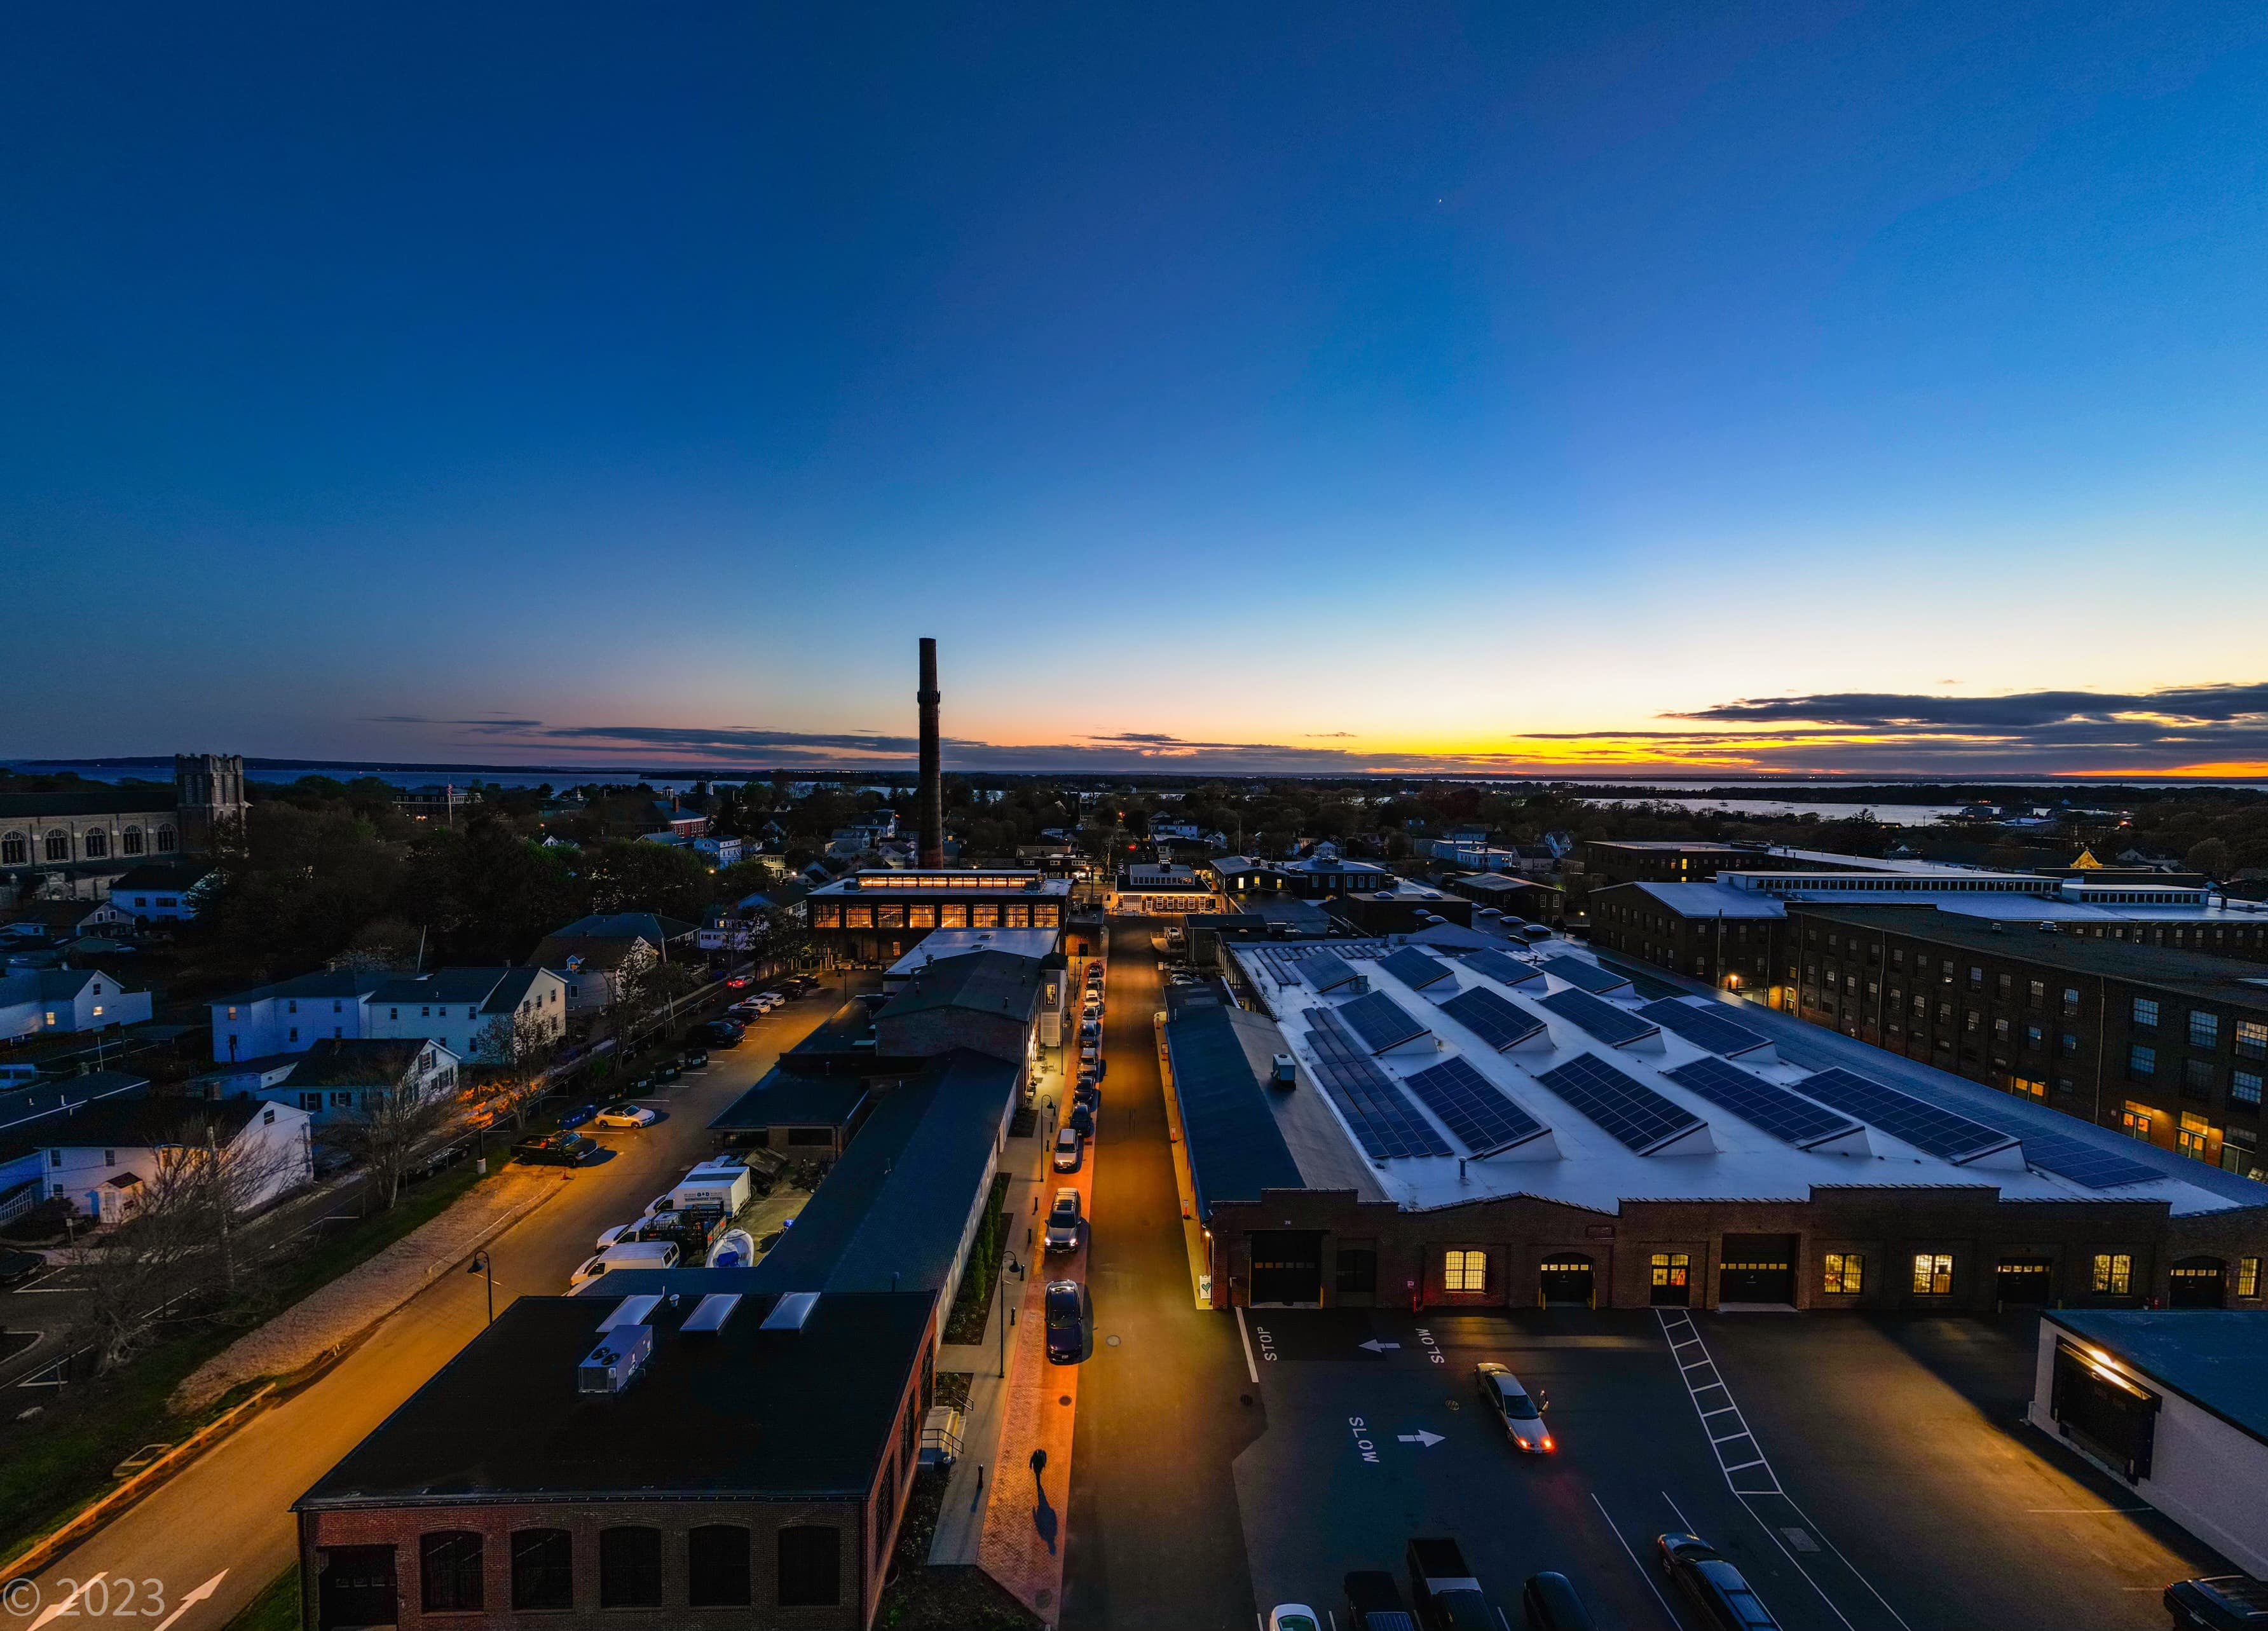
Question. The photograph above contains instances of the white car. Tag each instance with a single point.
(607, 1237)
(1070, 1150)
(1521, 1413)
(1066, 1220)
(1293, 1617)
(624, 1116)
(631, 1254)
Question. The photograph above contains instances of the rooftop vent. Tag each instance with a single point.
(790, 1312)
(631, 1311)
(714, 1311)
(614, 1363)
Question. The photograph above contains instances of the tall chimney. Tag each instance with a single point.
(931, 797)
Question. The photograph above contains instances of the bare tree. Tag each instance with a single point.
(385, 1133)
(178, 1235)
(513, 1050)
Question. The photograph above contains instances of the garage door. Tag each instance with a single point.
(2107, 1413)
(1757, 1268)
(1567, 1277)
(2026, 1280)
(1287, 1266)
(2198, 1282)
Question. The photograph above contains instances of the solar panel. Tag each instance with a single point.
(1479, 1114)
(1617, 1027)
(1496, 1020)
(2082, 1164)
(1576, 972)
(1500, 966)
(1926, 1126)
(1413, 968)
(1632, 1111)
(1327, 971)
(1761, 1104)
(1703, 1026)
(1383, 1121)
(1381, 1022)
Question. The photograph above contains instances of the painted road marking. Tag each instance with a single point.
(1377, 1346)
(190, 1601)
(1421, 1436)
(1363, 1441)
(1267, 1344)
(1432, 1348)
(1643, 1573)
(1250, 1369)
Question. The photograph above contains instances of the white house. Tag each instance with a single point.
(290, 1017)
(102, 1158)
(158, 895)
(339, 1077)
(594, 967)
(55, 1002)
(460, 1008)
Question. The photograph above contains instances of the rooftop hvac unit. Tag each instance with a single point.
(614, 1363)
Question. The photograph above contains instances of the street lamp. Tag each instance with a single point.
(482, 1264)
(1008, 1266)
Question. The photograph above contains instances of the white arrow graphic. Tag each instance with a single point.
(1377, 1346)
(194, 1597)
(70, 1605)
(1420, 1437)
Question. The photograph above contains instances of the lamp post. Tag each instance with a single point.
(482, 1264)
(1008, 1266)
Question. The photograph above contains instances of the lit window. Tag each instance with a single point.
(1847, 1273)
(2114, 1274)
(2193, 1136)
(2146, 1013)
(2135, 1121)
(1464, 1271)
(1932, 1273)
(2247, 1276)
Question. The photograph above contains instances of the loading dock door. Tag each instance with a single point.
(1757, 1268)
(1568, 1277)
(355, 1587)
(2107, 1413)
(1287, 1267)
(2027, 1279)
(2198, 1282)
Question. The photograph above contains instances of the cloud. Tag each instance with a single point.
(2192, 707)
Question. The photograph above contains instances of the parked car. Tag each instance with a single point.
(1519, 1412)
(1548, 1602)
(2217, 1603)
(554, 1149)
(577, 1117)
(722, 1034)
(1726, 1601)
(1070, 1150)
(696, 1058)
(1374, 1603)
(1080, 1120)
(1442, 1586)
(625, 1115)
(1066, 1222)
(1293, 1617)
(747, 1008)
(608, 1237)
(1088, 1096)
(669, 1072)
(624, 1254)
(1071, 1323)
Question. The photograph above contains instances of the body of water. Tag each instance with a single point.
(1893, 815)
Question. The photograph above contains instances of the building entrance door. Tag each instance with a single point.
(1673, 1280)
(2198, 1282)
(1287, 1267)
(356, 1587)
(1757, 1268)
(1568, 1277)
(2027, 1279)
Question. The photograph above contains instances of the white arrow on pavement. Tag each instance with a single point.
(1421, 1438)
(194, 1597)
(70, 1605)
(1377, 1346)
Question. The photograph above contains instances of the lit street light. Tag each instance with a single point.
(480, 1264)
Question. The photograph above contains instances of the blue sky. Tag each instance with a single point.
(1489, 387)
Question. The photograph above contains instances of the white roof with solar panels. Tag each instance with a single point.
(1457, 1078)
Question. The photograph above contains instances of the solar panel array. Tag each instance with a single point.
(1762, 1104)
(1496, 1020)
(1281, 963)
(1327, 971)
(1379, 1021)
(1704, 1027)
(1642, 1118)
(1413, 968)
(2084, 1164)
(1926, 1126)
(1385, 1123)
(1576, 972)
(1502, 967)
(1617, 1027)
(1479, 1114)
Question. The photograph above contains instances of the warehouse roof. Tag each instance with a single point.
(987, 982)
(2217, 1358)
(784, 1099)
(723, 1413)
(1235, 1148)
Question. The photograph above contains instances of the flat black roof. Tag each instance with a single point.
(740, 1412)
(783, 1098)
(988, 981)
(2197, 973)
(1236, 1150)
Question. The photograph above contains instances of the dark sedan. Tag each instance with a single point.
(1726, 1600)
(554, 1149)
(1071, 1323)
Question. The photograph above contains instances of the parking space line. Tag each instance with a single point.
(1721, 1410)
(1252, 1369)
(1614, 1529)
(1745, 1465)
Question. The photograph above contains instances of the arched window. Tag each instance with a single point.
(14, 851)
(129, 841)
(58, 844)
(542, 1568)
(449, 1571)
(165, 840)
(96, 844)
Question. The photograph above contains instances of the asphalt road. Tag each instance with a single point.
(1152, 1537)
(227, 1517)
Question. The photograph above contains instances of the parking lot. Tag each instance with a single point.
(1864, 1475)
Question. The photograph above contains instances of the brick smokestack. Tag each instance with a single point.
(931, 794)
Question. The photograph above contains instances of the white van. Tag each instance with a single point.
(628, 1254)
(722, 1184)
